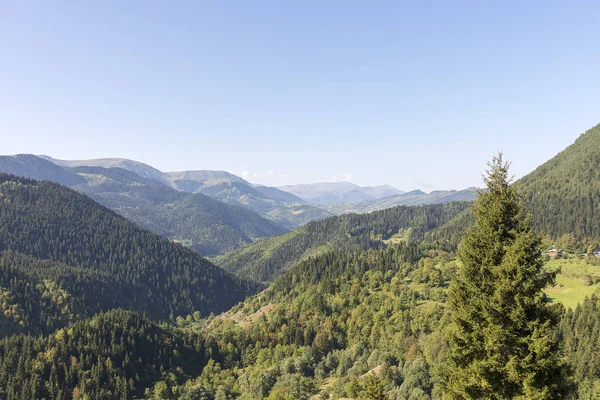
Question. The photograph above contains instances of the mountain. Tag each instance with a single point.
(378, 192)
(564, 192)
(201, 176)
(207, 225)
(356, 308)
(268, 258)
(55, 239)
(412, 198)
(141, 169)
(31, 166)
(274, 204)
(279, 194)
(338, 192)
(279, 206)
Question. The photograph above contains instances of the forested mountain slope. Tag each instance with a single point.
(115, 355)
(202, 223)
(324, 324)
(564, 193)
(207, 225)
(268, 258)
(64, 239)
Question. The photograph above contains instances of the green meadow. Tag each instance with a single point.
(573, 281)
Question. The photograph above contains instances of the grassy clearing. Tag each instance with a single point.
(573, 267)
(570, 291)
(570, 288)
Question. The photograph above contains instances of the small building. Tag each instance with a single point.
(552, 253)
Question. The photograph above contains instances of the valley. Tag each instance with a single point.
(348, 306)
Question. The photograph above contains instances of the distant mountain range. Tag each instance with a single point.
(339, 192)
(344, 197)
(413, 198)
(283, 208)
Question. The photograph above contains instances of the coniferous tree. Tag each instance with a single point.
(501, 340)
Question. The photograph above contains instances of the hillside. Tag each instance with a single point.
(56, 236)
(268, 258)
(371, 324)
(200, 222)
(182, 178)
(279, 194)
(330, 320)
(564, 192)
(207, 225)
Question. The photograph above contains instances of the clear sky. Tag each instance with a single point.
(416, 94)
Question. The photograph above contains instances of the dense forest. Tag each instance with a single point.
(579, 332)
(563, 194)
(115, 355)
(265, 259)
(50, 232)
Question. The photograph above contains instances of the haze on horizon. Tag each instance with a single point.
(411, 95)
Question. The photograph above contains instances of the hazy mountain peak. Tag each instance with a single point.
(339, 192)
(416, 192)
(144, 170)
(204, 175)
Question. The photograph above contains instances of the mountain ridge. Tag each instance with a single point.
(288, 211)
(324, 193)
(205, 224)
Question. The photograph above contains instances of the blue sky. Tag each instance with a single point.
(414, 94)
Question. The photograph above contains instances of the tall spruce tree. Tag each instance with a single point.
(502, 342)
